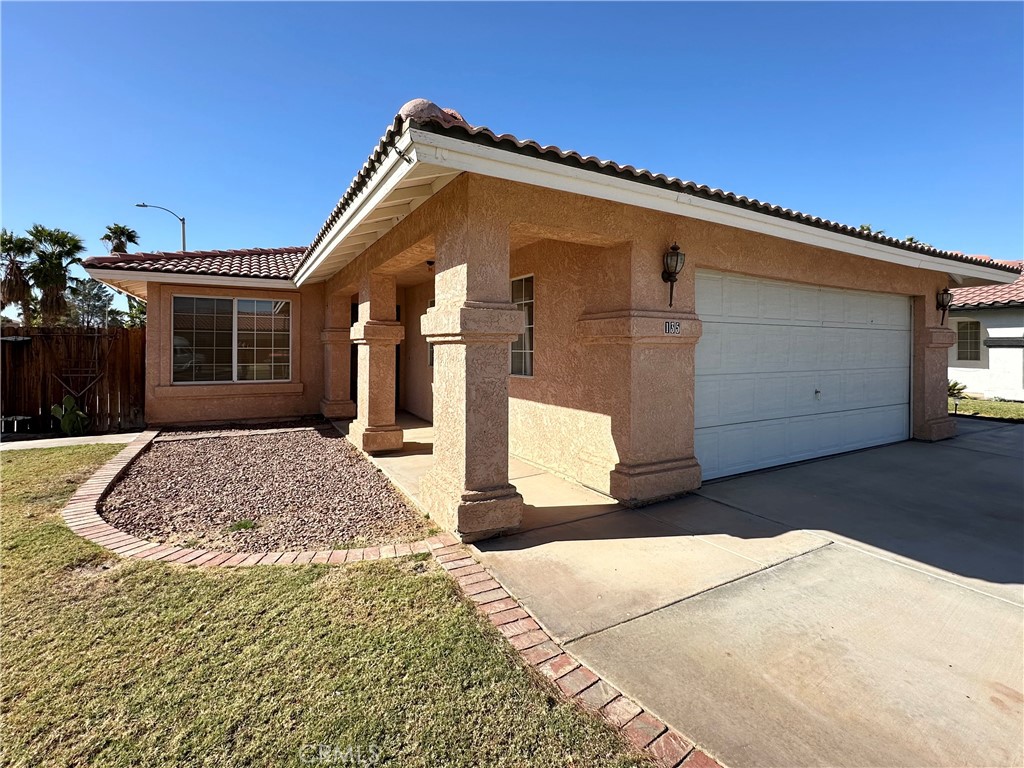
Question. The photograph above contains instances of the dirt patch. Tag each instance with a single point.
(255, 490)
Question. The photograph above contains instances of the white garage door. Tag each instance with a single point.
(787, 372)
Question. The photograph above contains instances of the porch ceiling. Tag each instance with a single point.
(404, 188)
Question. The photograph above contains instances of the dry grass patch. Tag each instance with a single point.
(158, 665)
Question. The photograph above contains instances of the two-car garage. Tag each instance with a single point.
(787, 372)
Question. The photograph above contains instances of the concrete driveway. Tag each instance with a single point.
(864, 610)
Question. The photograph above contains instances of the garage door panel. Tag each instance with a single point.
(806, 304)
(740, 299)
(797, 372)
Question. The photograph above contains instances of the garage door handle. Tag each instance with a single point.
(817, 394)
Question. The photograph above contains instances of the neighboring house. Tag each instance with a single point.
(988, 356)
(525, 290)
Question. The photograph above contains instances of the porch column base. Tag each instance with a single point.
(638, 484)
(472, 515)
(936, 429)
(338, 409)
(376, 439)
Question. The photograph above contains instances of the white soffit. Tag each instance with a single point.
(133, 282)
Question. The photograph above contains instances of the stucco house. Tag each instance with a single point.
(529, 301)
(988, 356)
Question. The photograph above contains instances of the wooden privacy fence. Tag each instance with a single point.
(102, 368)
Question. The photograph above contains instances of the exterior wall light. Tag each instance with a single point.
(942, 301)
(674, 260)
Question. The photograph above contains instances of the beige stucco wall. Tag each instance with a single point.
(417, 396)
(168, 403)
(611, 401)
(561, 417)
(589, 406)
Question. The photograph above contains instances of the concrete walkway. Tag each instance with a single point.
(549, 500)
(64, 442)
(864, 610)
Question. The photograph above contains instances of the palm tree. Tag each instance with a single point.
(55, 251)
(119, 236)
(15, 287)
(867, 230)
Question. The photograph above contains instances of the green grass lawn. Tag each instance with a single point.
(991, 409)
(109, 662)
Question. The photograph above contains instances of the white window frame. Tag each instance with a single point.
(532, 350)
(976, 350)
(430, 347)
(234, 342)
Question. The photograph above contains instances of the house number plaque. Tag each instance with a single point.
(672, 328)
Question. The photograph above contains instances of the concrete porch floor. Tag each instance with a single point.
(549, 500)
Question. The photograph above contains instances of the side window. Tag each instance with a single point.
(968, 340)
(522, 348)
(430, 347)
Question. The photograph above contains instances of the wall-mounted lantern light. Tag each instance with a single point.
(942, 301)
(674, 260)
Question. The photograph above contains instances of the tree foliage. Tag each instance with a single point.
(90, 304)
(55, 250)
(15, 286)
(36, 276)
(118, 237)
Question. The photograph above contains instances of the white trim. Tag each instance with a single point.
(437, 150)
(533, 301)
(178, 278)
(388, 176)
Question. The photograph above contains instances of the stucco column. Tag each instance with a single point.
(335, 338)
(376, 335)
(656, 345)
(467, 491)
(931, 360)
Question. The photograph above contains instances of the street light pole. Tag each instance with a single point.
(179, 218)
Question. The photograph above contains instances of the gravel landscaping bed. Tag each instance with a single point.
(261, 491)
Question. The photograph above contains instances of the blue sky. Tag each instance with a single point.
(251, 119)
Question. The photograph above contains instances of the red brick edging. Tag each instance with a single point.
(81, 514)
(578, 683)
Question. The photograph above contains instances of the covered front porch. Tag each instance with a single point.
(515, 327)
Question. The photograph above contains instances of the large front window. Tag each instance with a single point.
(231, 339)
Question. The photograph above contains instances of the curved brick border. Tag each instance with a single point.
(646, 732)
(82, 516)
(578, 683)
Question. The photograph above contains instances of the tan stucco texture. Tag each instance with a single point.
(170, 403)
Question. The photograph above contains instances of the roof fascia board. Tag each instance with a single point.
(139, 276)
(396, 167)
(435, 149)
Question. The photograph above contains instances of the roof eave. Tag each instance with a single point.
(134, 281)
(986, 305)
(412, 144)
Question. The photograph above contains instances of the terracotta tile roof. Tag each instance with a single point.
(428, 117)
(1006, 295)
(246, 262)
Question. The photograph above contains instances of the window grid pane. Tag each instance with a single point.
(522, 347)
(203, 333)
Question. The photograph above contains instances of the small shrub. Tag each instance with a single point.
(241, 525)
(73, 420)
(956, 389)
